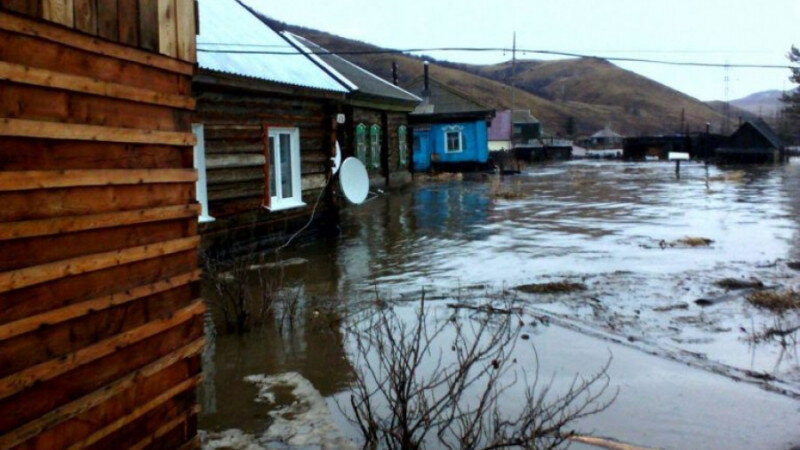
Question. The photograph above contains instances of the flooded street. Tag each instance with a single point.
(686, 359)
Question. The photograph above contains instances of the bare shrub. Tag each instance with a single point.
(441, 383)
(243, 291)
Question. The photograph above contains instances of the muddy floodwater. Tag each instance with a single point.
(687, 359)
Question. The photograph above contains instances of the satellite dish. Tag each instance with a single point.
(354, 181)
(337, 159)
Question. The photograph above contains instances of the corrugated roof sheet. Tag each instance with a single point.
(228, 26)
(365, 81)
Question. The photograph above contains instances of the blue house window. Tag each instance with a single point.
(374, 146)
(402, 145)
(361, 143)
(453, 140)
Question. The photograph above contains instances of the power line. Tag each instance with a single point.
(487, 49)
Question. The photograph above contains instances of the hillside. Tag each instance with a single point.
(763, 104)
(594, 92)
(639, 104)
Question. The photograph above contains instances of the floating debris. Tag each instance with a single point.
(681, 305)
(736, 283)
(777, 301)
(795, 265)
(508, 195)
(736, 175)
(695, 241)
(557, 287)
(685, 242)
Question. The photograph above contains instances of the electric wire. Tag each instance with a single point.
(410, 51)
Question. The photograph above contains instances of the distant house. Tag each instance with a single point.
(500, 131)
(266, 127)
(754, 141)
(449, 128)
(512, 128)
(525, 129)
(376, 118)
(654, 147)
(605, 138)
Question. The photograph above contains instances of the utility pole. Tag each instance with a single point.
(727, 105)
(514, 72)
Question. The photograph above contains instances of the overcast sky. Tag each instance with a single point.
(720, 31)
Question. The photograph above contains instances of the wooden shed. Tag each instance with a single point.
(376, 118)
(268, 126)
(753, 142)
(100, 321)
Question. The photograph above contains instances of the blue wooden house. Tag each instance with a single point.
(449, 129)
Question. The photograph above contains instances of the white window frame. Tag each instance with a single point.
(458, 130)
(201, 185)
(277, 202)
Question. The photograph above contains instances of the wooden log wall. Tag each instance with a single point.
(167, 27)
(235, 162)
(101, 326)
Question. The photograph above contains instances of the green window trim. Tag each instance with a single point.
(361, 143)
(402, 145)
(374, 147)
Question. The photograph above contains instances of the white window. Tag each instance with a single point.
(201, 186)
(284, 169)
(454, 141)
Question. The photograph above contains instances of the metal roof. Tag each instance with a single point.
(227, 26)
(500, 129)
(766, 131)
(443, 99)
(351, 74)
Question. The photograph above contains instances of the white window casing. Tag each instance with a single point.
(201, 186)
(453, 139)
(285, 171)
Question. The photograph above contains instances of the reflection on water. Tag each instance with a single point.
(599, 221)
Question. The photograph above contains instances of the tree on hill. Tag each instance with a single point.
(789, 127)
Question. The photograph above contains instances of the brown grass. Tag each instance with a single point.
(777, 301)
(551, 288)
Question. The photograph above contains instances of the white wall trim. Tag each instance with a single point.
(201, 185)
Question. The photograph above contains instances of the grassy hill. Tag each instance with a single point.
(593, 92)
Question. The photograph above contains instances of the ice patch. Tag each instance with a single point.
(305, 423)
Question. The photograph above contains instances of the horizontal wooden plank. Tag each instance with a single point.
(29, 276)
(50, 79)
(166, 428)
(47, 370)
(18, 153)
(317, 181)
(76, 310)
(56, 130)
(227, 161)
(77, 201)
(58, 225)
(82, 404)
(235, 175)
(137, 413)
(20, 253)
(26, 180)
(69, 38)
